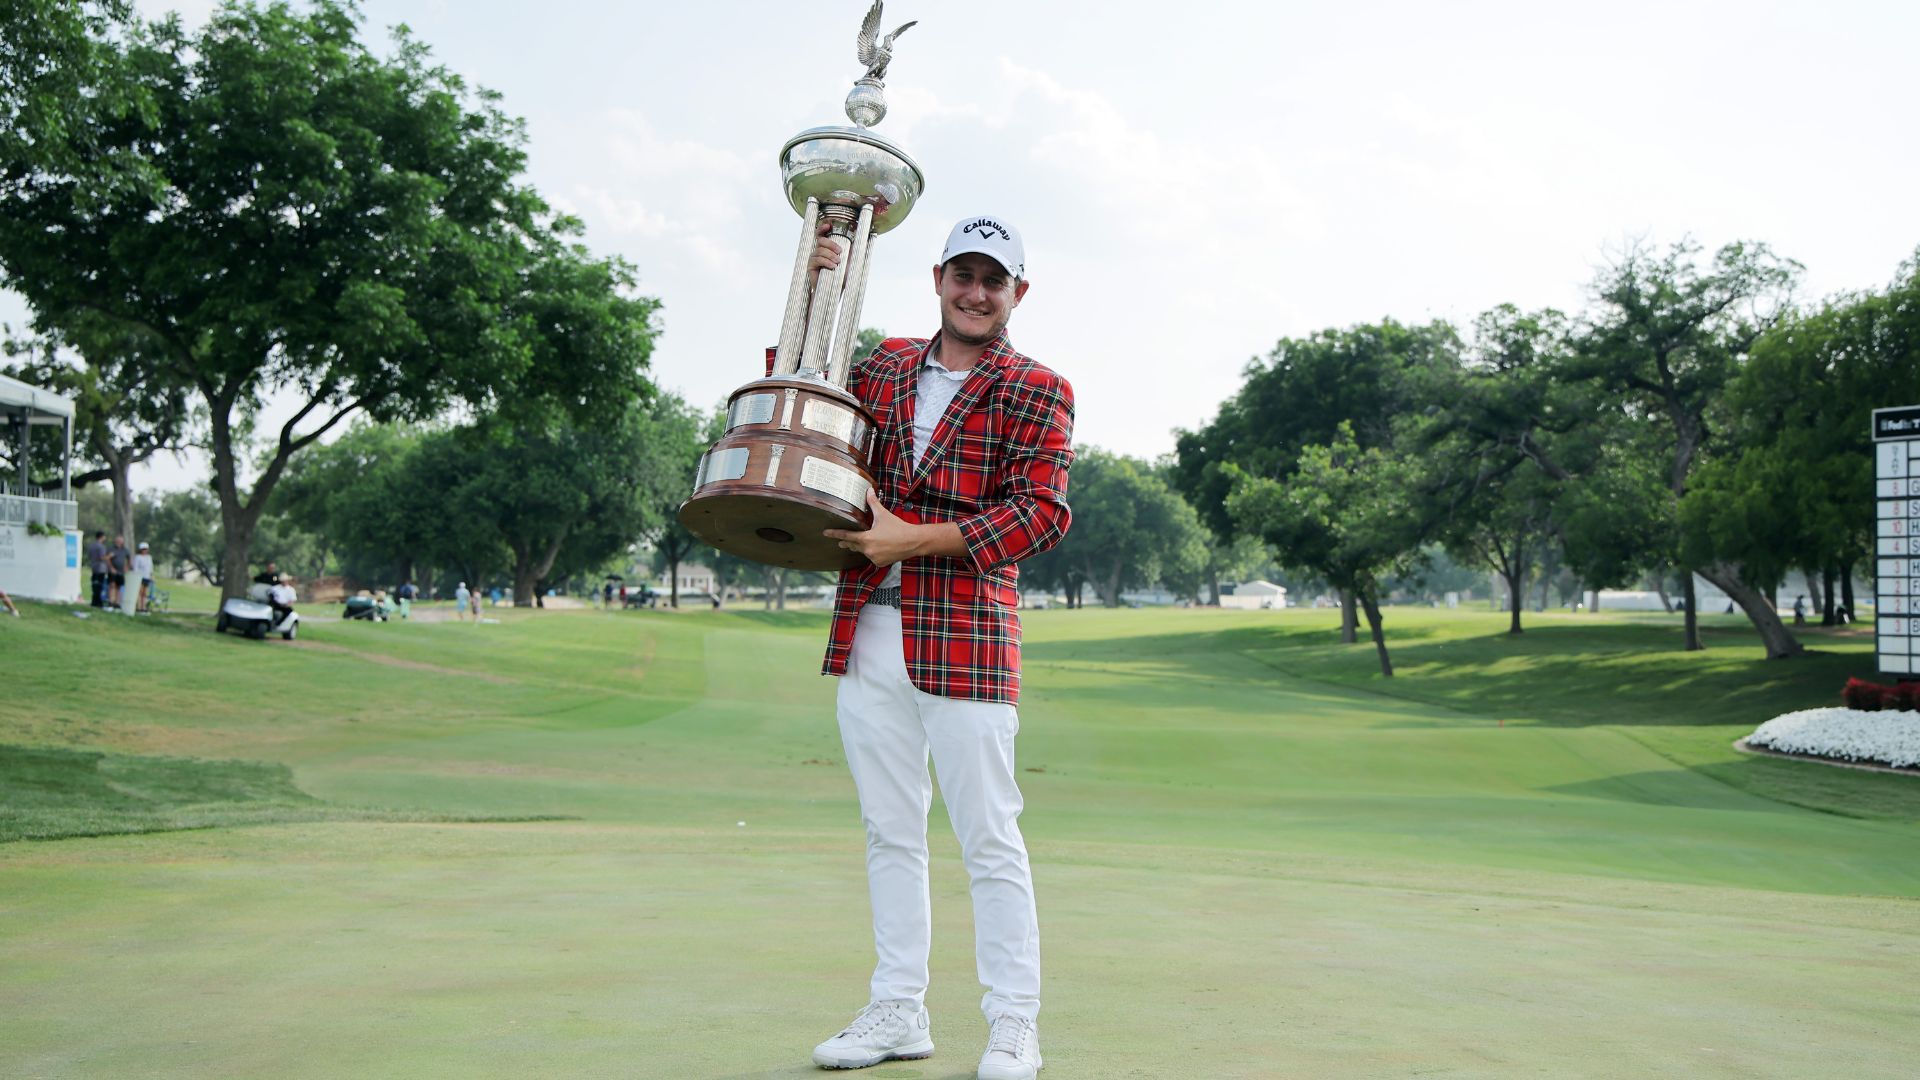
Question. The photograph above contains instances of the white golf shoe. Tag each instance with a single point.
(1013, 1050)
(884, 1031)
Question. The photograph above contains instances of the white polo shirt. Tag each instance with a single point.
(934, 391)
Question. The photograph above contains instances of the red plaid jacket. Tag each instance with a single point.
(997, 467)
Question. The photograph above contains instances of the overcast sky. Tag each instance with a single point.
(1192, 191)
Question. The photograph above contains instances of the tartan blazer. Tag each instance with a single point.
(997, 467)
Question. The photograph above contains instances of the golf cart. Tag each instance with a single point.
(371, 608)
(255, 614)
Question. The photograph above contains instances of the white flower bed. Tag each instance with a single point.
(1887, 737)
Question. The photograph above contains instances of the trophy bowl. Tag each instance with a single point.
(793, 462)
(850, 166)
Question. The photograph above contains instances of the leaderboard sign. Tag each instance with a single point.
(1896, 484)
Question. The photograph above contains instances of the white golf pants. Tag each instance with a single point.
(888, 726)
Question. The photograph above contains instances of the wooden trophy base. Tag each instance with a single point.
(792, 463)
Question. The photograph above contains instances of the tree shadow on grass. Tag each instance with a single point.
(1626, 674)
(1560, 675)
(1780, 786)
(1672, 787)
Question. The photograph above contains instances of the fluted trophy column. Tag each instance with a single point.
(794, 459)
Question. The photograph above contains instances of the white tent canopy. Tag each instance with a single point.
(22, 408)
(1253, 595)
(36, 562)
(17, 397)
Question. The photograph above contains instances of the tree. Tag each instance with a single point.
(1129, 530)
(364, 493)
(1503, 524)
(560, 498)
(61, 83)
(672, 545)
(730, 572)
(323, 223)
(1666, 338)
(1365, 376)
(669, 541)
(1799, 413)
(1615, 522)
(1507, 428)
(1344, 514)
(1241, 558)
(184, 529)
(126, 409)
(868, 342)
(1057, 572)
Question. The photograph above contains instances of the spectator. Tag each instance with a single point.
(143, 575)
(269, 576)
(119, 561)
(7, 602)
(97, 566)
(405, 595)
(606, 595)
(460, 597)
(493, 596)
(280, 598)
(1799, 611)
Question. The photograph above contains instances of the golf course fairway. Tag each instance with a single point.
(598, 844)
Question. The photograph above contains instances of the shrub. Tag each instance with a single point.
(1872, 697)
(1862, 695)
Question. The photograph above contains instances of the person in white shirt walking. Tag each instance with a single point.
(143, 573)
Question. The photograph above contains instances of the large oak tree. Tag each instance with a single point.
(325, 228)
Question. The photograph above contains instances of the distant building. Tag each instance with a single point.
(694, 578)
(1253, 596)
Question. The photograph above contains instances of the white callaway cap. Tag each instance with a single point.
(990, 236)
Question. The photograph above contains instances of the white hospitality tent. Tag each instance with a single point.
(1254, 596)
(39, 530)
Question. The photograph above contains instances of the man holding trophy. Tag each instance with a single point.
(924, 473)
(927, 641)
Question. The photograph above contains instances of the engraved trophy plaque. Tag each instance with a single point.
(793, 460)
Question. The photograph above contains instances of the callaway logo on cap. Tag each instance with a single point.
(989, 236)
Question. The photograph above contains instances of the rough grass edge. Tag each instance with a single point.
(1741, 745)
(11, 834)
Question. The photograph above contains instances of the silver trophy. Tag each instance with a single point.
(793, 460)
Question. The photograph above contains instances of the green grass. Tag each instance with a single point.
(50, 794)
(189, 597)
(1523, 857)
(1620, 671)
